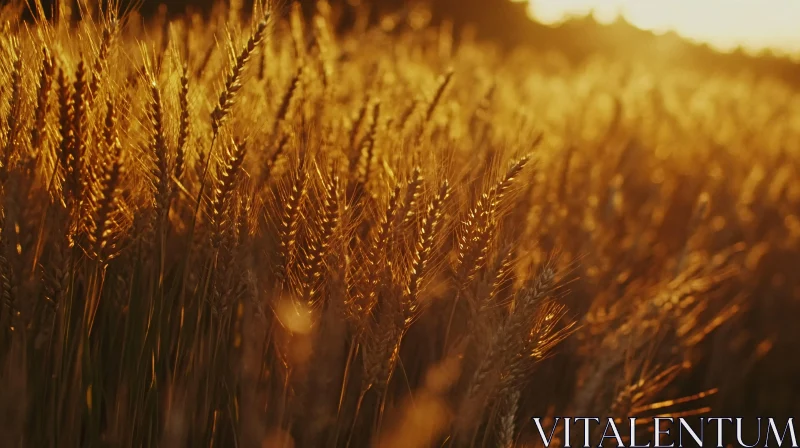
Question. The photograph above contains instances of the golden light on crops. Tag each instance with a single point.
(724, 24)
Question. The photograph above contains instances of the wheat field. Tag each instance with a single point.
(259, 229)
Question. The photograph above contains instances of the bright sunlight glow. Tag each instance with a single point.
(724, 24)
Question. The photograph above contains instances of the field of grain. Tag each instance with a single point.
(259, 230)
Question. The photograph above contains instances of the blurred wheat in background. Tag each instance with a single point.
(263, 229)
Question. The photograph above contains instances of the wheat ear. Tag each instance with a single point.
(233, 82)
(184, 126)
(220, 202)
(42, 98)
(422, 250)
(14, 117)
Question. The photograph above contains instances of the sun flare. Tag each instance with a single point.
(724, 24)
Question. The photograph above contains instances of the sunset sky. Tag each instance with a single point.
(724, 24)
